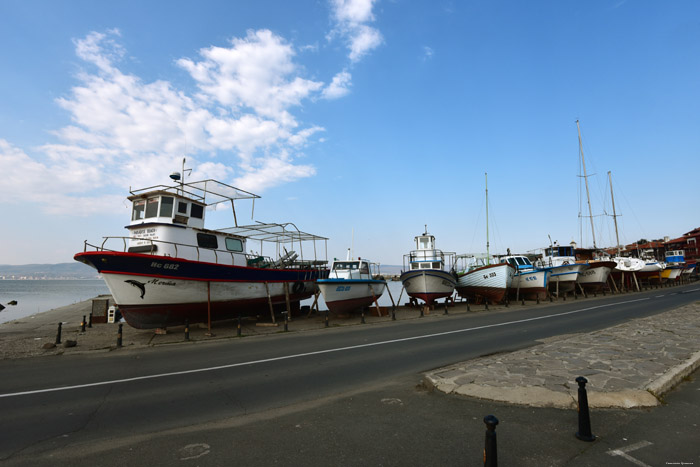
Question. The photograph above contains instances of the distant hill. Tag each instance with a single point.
(73, 270)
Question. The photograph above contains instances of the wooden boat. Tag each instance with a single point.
(528, 282)
(350, 285)
(600, 266)
(425, 276)
(564, 271)
(170, 269)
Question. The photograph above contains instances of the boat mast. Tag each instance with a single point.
(585, 178)
(612, 196)
(488, 254)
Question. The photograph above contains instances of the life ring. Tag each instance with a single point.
(298, 287)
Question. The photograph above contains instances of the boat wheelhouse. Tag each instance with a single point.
(675, 263)
(428, 272)
(170, 269)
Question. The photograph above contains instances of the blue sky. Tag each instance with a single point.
(361, 120)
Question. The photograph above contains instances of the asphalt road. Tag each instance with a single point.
(352, 391)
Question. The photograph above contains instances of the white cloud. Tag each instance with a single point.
(128, 132)
(339, 86)
(352, 18)
(427, 52)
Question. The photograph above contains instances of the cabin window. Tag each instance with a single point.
(197, 211)
(207, 241)
(151, 207)
(414, 266)
(166, 206)
(436, 265)
(364, 269)
(182, 207)
(139, 207)
(234, 244)
(425, 265)
(423, 244)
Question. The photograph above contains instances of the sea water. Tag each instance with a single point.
(36, 296)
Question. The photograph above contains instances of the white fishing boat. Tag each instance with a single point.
(600, 266)
(427, 272)
(564, 271)
(350, 285)
(170, 269)
(483, 280)
(478, 279)
(528, 282)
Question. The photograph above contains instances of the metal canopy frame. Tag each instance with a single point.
(220, 192)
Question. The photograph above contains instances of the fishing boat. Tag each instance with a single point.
(675, 263)
(428, 273)
(600, 265)
(481, 280)
(350, 285)
(564, 271)
(170, 269)
(528, 282)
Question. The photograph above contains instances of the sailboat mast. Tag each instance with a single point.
(488, 254)
(585, 178)
(612, 196)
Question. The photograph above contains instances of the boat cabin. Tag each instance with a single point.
(425, 256)
(675, 257)
(558, 250)
(518, 262)
(351, 269)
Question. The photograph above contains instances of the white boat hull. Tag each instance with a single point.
(345, 295)
(595, 277)
(563, 278)
(490, 282)
(428, 284)
(530, 284)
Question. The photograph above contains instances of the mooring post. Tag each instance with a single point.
(490, 451)
(584, 417)
(468, 305)
(238, 327)
(326, 318)
(393, 313)
(487, 304)
(90, 320)
(187, 329)
(446, 312)
(362, 320)
(286, 320)
(119, 336)
(58, 334)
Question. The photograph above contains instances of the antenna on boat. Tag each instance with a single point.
(488, 254)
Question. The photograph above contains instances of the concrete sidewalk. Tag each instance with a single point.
(629, 365)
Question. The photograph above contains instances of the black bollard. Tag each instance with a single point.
(446, 312)
(187, 329)
(327, 317)
(506, 303)
(90, 320)
(523, 302)
(393, 314)
(538, 299)
(286, 321)
(83, 324)
(238, 327)
(421, 311)
(119, 336)
(490, 452)
(363, 316)
(58, 334)
(584, 417)
(487, 304)
(468, 305)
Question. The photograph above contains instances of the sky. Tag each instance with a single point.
(358, 120)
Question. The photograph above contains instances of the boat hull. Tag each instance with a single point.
(428, 284)
(158, 291)
(490, 282)
(563, 278)
(346, 295)
(595, 277)
(530, 284)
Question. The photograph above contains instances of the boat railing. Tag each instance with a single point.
(288, 261)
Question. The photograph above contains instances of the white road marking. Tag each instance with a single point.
(307, 354)
(622, 452)
(194, 451)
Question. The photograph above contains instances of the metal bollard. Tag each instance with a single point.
(421, 311)
(286, 321)
(523, 302)
(507, 303)
(90, 320)
(58, 334)
(584, 417)
(187, 329)
(119, 336)
(468, 305)
(238, 327)
(446, 312)
(393, 314)
(538, 299)
(83, 324)
(327, 318)
(487, 304)
(363, 317)
(490, 452)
